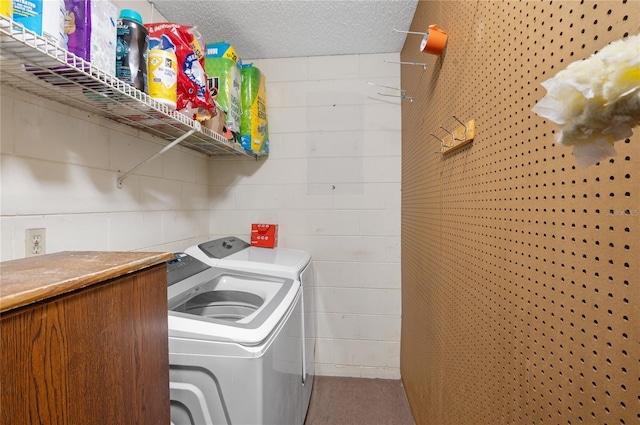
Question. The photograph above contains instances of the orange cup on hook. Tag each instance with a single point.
(434, 40)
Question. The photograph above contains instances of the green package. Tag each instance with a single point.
(254, 128)
(222, 66)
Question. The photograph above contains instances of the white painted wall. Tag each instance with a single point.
(332, 184)
(58, 170)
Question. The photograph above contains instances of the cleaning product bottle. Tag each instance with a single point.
(131, 50)
(163, 77)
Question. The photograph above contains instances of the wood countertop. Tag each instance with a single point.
(33, 279)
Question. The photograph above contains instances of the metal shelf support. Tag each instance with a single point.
(122, 178)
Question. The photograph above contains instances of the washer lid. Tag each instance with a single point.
(282, 262)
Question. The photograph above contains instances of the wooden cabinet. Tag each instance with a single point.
(84, 339)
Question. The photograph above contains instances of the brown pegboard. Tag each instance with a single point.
(521, 296)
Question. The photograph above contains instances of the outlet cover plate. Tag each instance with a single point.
(35, 242)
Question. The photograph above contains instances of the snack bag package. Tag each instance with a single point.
(222, 66)
(193, 98)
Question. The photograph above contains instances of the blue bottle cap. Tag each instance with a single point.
(131, 14)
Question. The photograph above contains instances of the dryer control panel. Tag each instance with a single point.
(183, 266)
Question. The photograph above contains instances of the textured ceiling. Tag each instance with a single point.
(260, 29)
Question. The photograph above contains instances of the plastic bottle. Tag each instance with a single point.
(131, 50)
(163, 77)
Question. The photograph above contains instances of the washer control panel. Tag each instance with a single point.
(183, 266)
(223, 247)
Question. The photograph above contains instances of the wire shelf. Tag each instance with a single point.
(31, 63)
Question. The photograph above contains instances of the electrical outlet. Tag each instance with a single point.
(35, 242)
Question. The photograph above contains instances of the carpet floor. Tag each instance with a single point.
(358, 401)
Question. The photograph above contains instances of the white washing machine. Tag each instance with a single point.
(235, 346)
(235, 254)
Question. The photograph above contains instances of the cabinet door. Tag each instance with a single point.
(95, 356)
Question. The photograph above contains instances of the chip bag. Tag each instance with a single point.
(194, 99)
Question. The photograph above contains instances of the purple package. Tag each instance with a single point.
(77, 27)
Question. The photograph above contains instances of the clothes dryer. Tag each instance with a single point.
(235, 346)
(235, 254)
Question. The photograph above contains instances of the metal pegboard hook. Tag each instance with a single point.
(466, 129)
(409, 32)
(402, 91)
(401, 96)
(453, 137)
(442, 143)
(423, 65)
